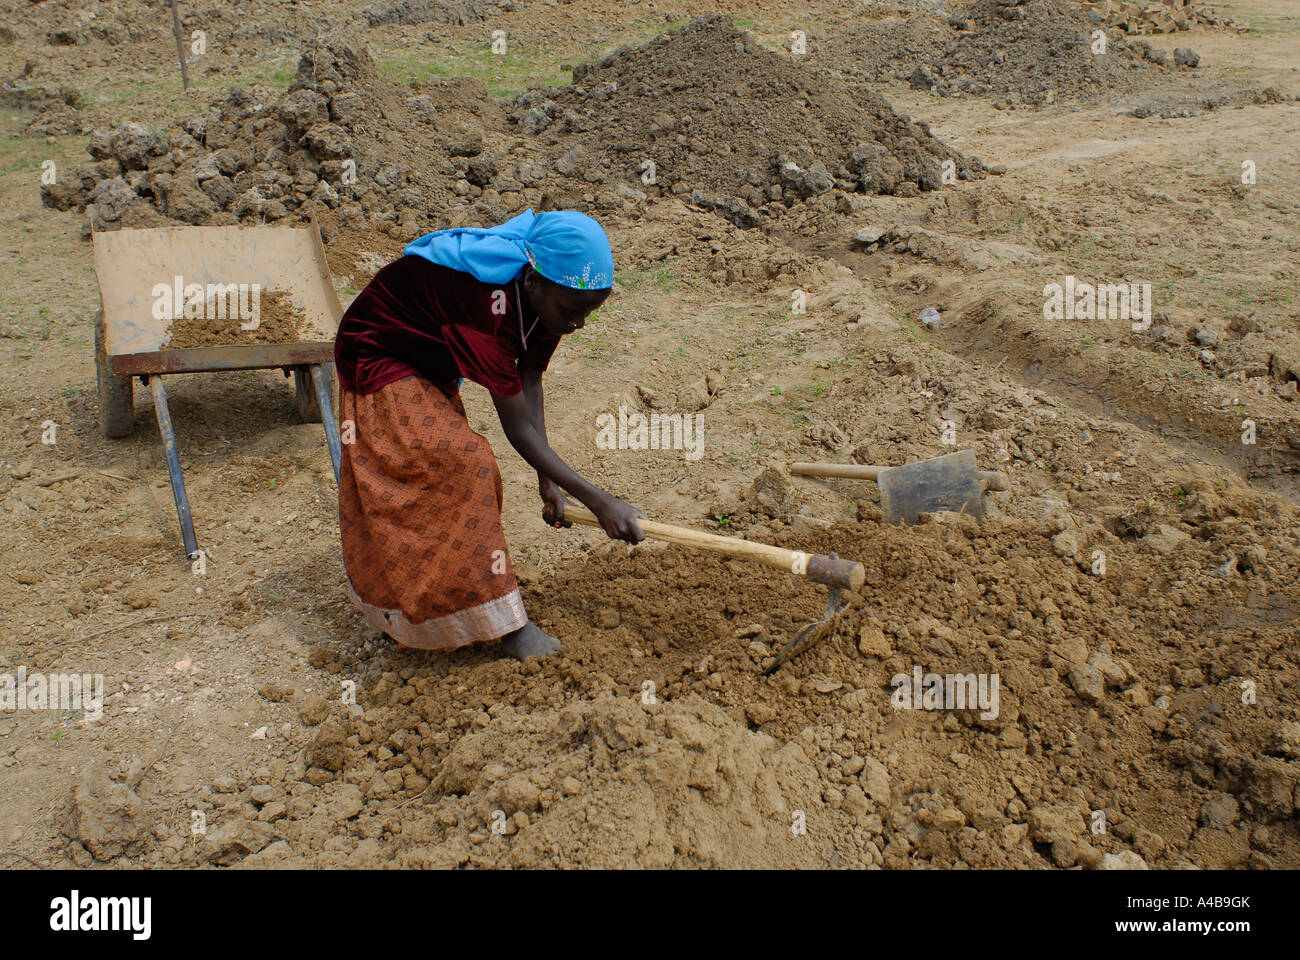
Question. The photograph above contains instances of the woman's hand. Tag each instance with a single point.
(619, 519)
(552, 503)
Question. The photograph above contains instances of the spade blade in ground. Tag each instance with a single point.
(950, 482)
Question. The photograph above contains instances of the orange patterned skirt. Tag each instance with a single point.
(420, 515)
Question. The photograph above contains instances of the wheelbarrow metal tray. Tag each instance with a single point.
(130, 264)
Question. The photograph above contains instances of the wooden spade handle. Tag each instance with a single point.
(992, 479)
(848, 574)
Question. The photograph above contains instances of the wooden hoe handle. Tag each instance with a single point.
(847, 574)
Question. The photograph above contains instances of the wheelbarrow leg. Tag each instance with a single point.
(322, 388)
(174, 466)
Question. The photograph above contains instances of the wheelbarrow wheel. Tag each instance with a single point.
(305, 395)
(116, 397)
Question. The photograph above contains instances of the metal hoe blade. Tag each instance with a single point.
(814, 633)
(949, 482)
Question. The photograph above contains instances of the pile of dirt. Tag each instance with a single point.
(1110, 741)
(1023, 52)
(342, 146)
(617, 782)
(729, 124)
(274, 318)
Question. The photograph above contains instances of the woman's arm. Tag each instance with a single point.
(552, 496)
(524, 426)
(532, 380)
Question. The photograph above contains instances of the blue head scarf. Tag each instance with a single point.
(564, 246)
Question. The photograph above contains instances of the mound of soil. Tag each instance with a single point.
(342, 146)
(1022, 51)
(733, 125)
(629, 783)
(278, 318)
(654, 740)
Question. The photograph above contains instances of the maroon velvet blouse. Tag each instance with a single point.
(417, 317)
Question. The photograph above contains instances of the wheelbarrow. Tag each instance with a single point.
(189, 300)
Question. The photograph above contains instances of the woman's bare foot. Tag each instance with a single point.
(529, 641)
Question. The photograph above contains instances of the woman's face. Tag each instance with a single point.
(560, 309)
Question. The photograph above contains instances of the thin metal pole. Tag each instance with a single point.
(319, 382)
(174, 466)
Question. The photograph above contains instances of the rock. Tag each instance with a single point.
(231, 842)
(811, 182)
(180, 198)
(302, 109)
(112, 198)
(771, 493)
(695, 396)
(423, 105)
(949, 820)
(1066, 544)
(875, 781)
(481, 170)
(262, 794)
(328, 751)
(1072, 649)
(867, 236)
(922, 78)
(328, 141)
(108, 818)
(872, 641)
(100, 146)
(1088, 682)
(1047, 824)
(347, 803)
(1089, 857)
(759, 713)
(1166, 538)
(1112, 673)
(1287, 739)
(313, 710)
(1125, 860)
(1065, 852)
(1186, 57)
(732, 209)
(133, 144)
(220, 190)
(250, 203)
